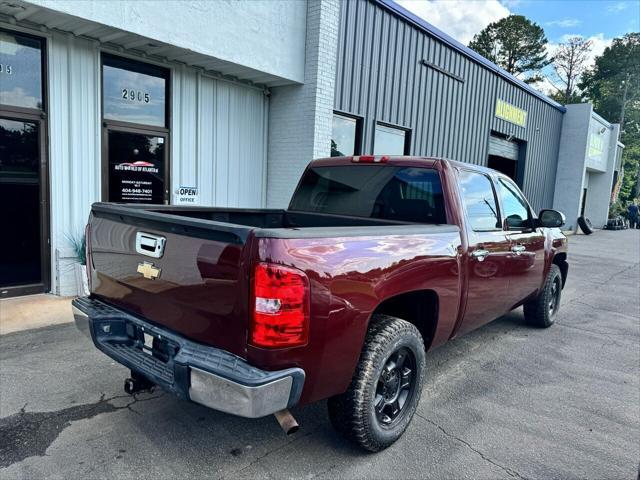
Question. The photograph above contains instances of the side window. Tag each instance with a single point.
(514, 205)
(479, 200)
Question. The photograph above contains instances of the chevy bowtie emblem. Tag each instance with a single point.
(148, 270)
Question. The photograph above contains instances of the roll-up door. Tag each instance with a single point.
(501, 147)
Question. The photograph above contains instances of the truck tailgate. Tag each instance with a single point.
(181, 273)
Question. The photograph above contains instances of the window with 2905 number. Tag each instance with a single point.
(134, 92)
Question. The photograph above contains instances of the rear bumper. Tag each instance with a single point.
(206, 375)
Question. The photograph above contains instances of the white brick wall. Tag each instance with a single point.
(300, 115)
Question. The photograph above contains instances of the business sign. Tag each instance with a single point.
(136, 168)
(597, 146)
(511, 113)
(186, 196)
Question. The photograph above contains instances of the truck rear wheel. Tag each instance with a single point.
(384, 393)
(542, 310)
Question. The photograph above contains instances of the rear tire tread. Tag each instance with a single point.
(348, 412)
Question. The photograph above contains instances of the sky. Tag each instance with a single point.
(598, 20)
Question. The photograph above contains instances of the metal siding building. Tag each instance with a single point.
(394, 71)
(250, 92)
(216, 129)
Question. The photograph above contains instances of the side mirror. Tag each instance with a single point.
(551, 218)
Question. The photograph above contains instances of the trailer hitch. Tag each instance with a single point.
(137, 383)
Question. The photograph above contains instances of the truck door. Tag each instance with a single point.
(488, 254)
(526, 257)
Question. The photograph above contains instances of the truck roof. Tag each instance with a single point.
(399, 160)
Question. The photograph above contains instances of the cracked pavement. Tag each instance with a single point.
(506, 401)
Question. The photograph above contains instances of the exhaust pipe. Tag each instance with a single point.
(287, 422)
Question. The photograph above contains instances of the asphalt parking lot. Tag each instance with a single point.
(506, 401)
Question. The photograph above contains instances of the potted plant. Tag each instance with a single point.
(78, 243)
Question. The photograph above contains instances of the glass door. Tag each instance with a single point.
(21, 197)
(24, 186)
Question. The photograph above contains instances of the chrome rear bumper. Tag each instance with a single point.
(206, 375)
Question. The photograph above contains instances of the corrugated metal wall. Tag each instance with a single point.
(219, 133)
(380, 77)
(218, 142)
(74, 148)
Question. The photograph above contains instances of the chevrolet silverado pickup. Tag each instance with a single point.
(376, 261)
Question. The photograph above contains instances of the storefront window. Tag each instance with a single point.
(134, 92)
(390, 141)
(20, 71)
(345, 134)
(135, 131)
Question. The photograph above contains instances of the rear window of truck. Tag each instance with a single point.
(409, 194)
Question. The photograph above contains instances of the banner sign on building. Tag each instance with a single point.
(596, 151)
(511, 113)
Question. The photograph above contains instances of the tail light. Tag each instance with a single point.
(280, 298)
(87, 253)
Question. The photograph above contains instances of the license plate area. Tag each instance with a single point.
(151, 343)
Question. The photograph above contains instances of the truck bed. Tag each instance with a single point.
(202, 287)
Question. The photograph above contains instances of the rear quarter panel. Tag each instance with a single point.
(349, 277)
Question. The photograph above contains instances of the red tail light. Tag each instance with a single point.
(280, 307)
(87, 253)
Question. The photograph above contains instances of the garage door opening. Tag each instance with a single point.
(504, 156)
(504, 165)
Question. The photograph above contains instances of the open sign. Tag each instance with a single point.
(186, 196)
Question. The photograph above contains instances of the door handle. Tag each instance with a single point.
(518, 249)
(480, 254)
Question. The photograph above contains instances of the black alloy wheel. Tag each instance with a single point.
(382, 398)
(395, 387)
(554, 297)
(542, 310)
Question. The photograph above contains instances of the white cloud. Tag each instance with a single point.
(566, 23)
(511, 4)
(617, 7)
(461, 19)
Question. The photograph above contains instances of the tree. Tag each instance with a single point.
(559, 96)
(613, 86)
(515, 44)
(569, 63)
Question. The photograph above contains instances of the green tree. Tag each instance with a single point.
(569, 63)
(561, 97)
(613, 86)
(516, 44)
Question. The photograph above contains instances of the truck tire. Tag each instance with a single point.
(585, 225)
(385, 390)
(542, 311)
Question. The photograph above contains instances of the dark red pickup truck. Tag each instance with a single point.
(376, 260)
